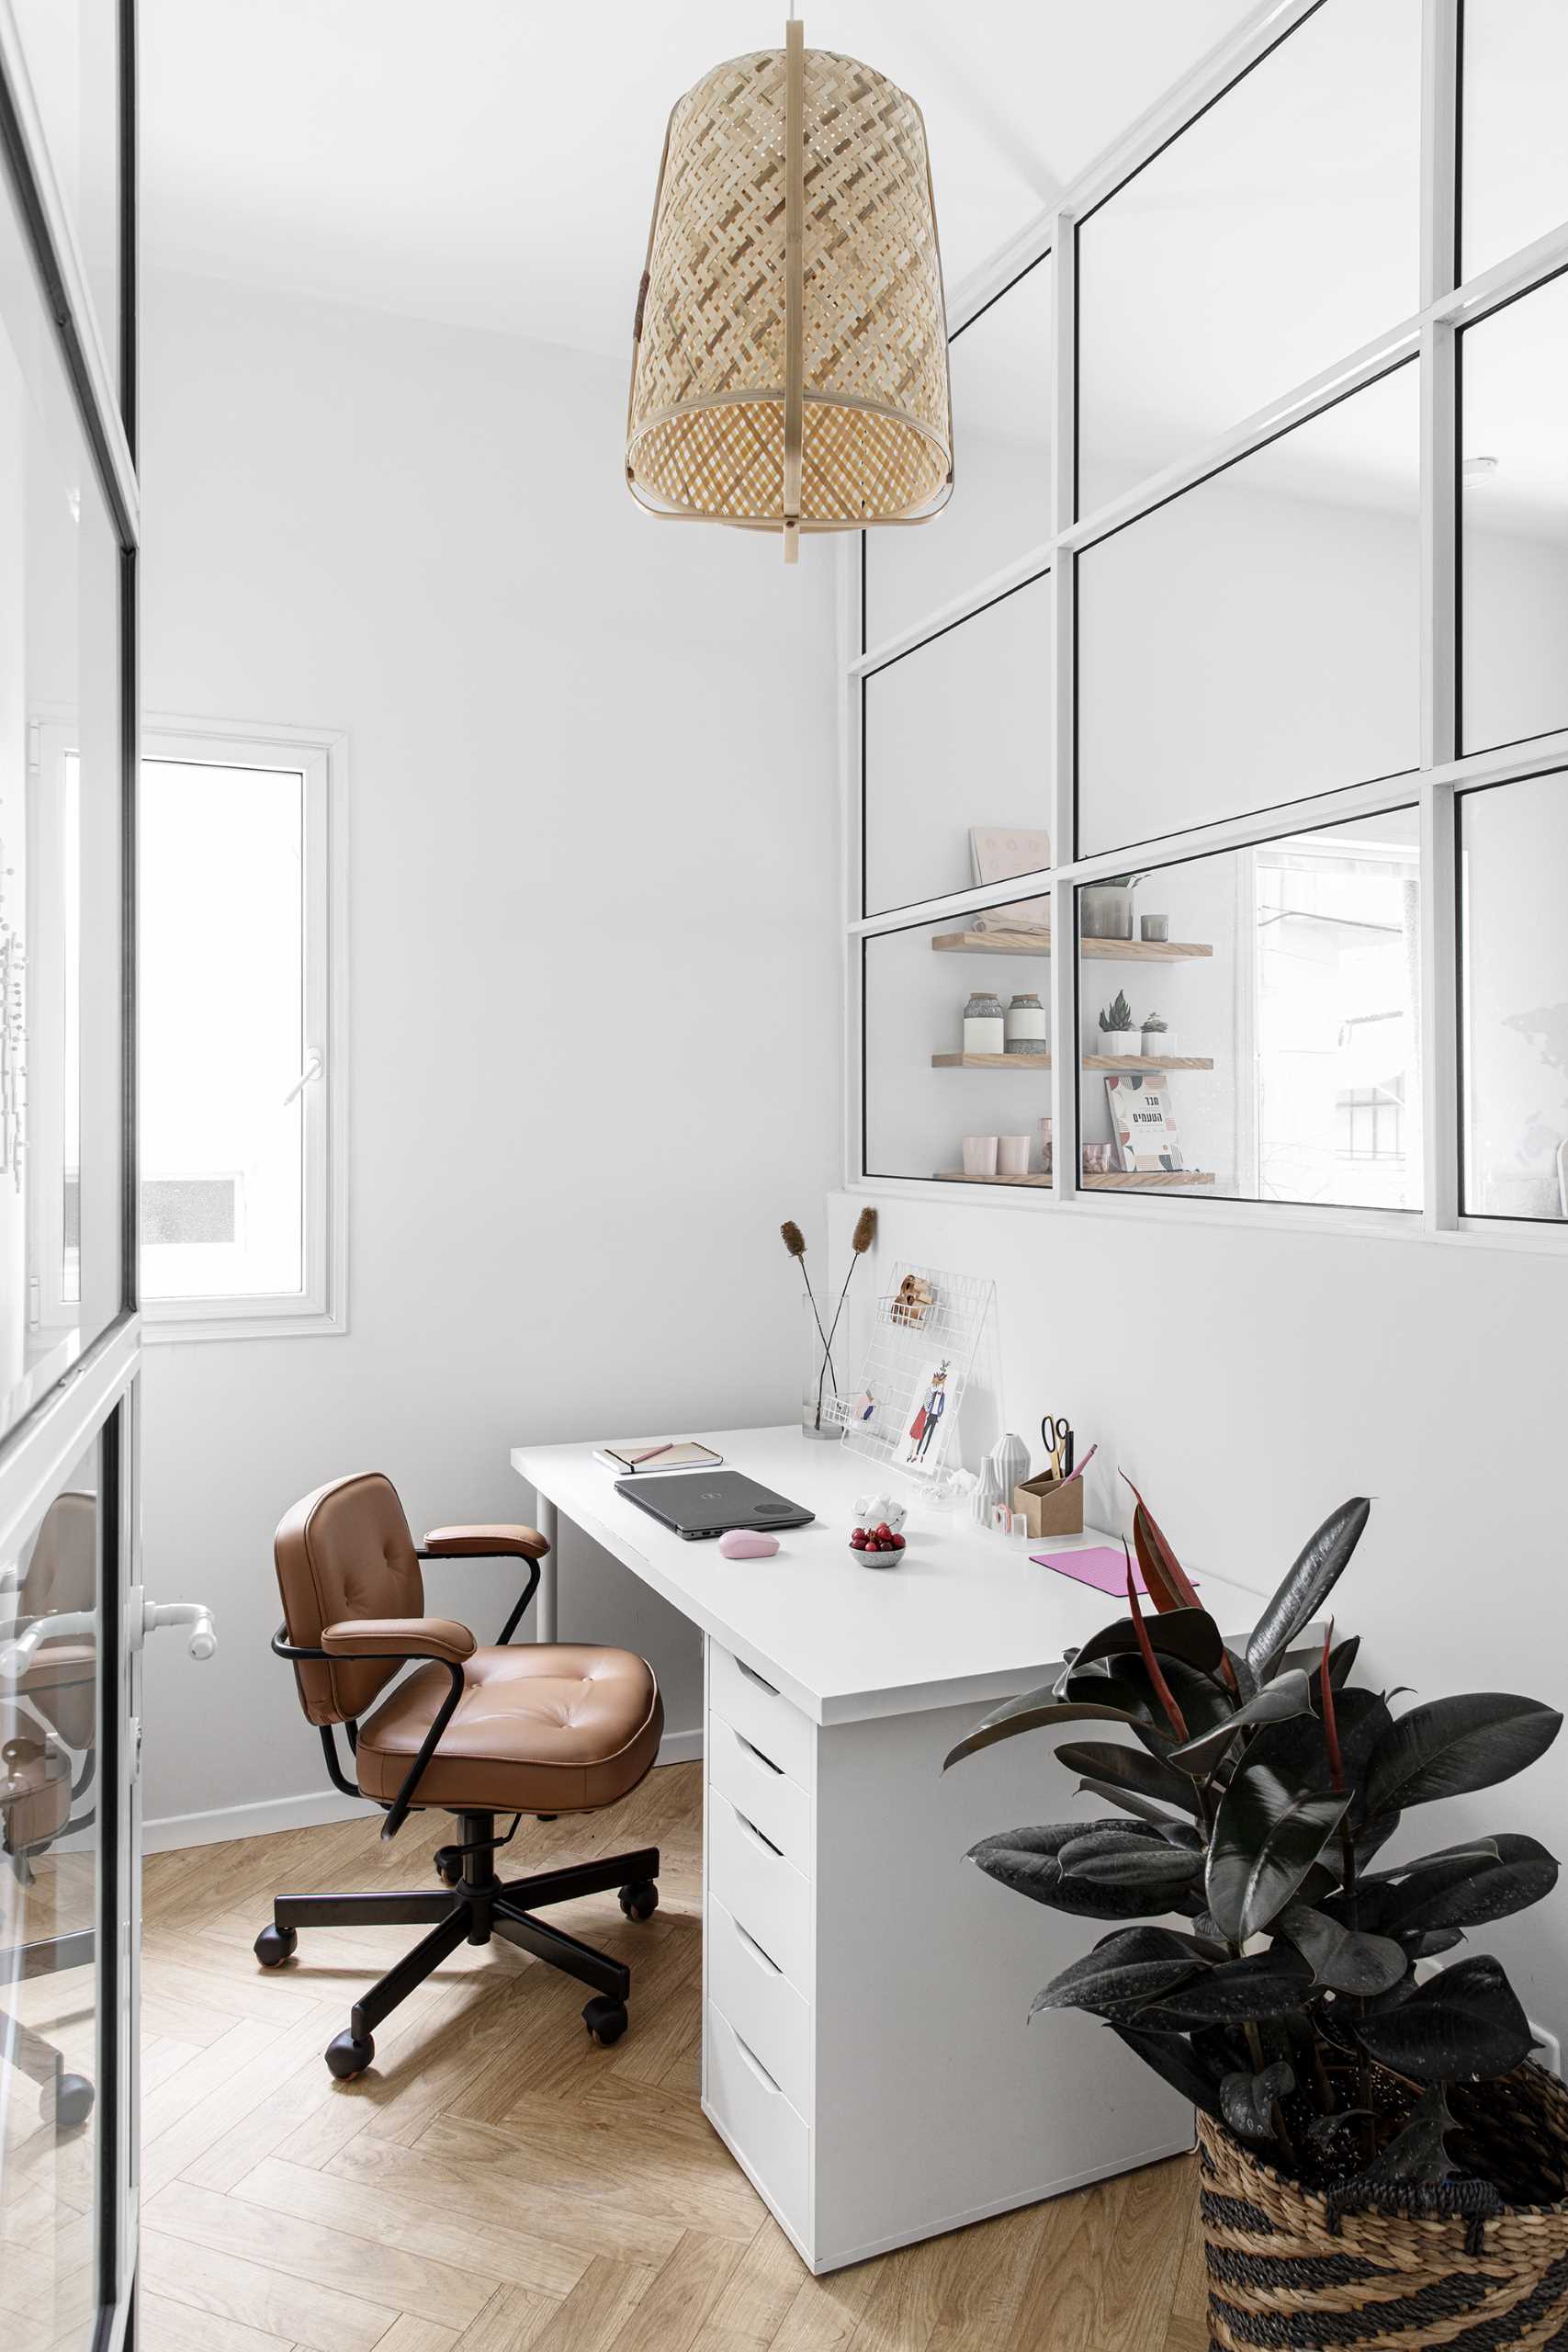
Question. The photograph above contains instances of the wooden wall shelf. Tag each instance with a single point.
(1090, 1061)
(1164, 1180)
(991, 1061)
(1148, 1061)
(1107, 951)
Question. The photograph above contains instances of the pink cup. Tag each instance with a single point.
(979, 1154)
(1012, 1155)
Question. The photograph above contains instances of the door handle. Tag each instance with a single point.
(67, 1626)
(154, 1616)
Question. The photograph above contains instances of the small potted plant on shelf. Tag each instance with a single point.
(1116, 1025)
(1379, 2157)
(1157, 1039)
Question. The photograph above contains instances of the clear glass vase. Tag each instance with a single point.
(820, 1392)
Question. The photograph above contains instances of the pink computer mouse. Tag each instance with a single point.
(748, 1543)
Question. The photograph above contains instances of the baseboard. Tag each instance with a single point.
(276, 1814)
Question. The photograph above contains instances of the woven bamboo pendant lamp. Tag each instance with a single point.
(790, 372)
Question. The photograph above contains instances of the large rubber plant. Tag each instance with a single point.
(1250, 1801)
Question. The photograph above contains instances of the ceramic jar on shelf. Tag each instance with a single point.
(984, 1024)
(1023, 1024)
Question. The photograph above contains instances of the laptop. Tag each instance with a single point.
(695, 1503)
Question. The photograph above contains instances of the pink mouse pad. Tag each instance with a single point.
(1097, 1565)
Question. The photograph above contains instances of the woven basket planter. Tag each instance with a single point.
(1289, 2268)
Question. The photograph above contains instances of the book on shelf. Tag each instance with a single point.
(1141, 1123)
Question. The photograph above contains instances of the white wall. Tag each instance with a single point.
(1250, 1379)
(594, 967)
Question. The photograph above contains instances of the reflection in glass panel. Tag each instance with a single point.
(1266, 1049)
(956, 752)
(1514, 519)
(1278, 233)
(1000, 505)
(957, 1078)
(49, 2107)
(1256, 639)
(72, 49)
(1513, 857)
(59, 867)
(1514, 180)
(223, 1041)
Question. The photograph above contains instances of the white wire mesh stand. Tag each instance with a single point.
(925, 1338)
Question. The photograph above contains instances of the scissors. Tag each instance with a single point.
(1056, 1436)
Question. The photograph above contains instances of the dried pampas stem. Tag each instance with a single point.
(794, 1242)
(861, 1241)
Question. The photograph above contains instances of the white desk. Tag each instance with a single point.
(865, 2055)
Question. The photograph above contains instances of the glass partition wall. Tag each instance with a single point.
(1233, 667)
(70, 1622)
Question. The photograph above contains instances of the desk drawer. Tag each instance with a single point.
(741, 1695)
(766, 1894)
(760, 2122)
(762, 2005)
(762, 1790)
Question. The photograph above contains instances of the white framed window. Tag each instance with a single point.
(1205, 744)
(243, 1014)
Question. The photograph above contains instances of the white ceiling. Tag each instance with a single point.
(493, 163)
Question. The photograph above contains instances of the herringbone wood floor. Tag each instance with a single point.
(499, 2182)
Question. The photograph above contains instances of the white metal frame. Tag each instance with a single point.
(321, 1307)
(1430, 337)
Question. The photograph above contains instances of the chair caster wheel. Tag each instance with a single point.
(274, 1945)
(449, 1865)
(641, 1901)
(348, 2055)
(67, 2101)
(606, 2020)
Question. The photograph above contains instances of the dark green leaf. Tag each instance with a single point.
(1339, 1956)
(1026, 1861)
(1266, 1839)
(1248, 2100)
(1277, 1701)
(1307, 1585)
(1125, 1969)
(1451, 1746)
(1129, 1768)
(1468, 1890)
(1035, 1711)
(1126, 1863)
(1417, 2153)
(1173, 2058)
(1265, 1985)
(1465, 2024)
(1189, 1634)
(1297, 1752)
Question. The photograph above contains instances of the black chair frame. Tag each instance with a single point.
(473, 1903)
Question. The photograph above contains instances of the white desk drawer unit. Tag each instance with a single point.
(761, 2003)
(768, 1719)
(765, 2129)
(759, 1887)
(761, 1790)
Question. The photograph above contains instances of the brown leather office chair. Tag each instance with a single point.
(542, 1729)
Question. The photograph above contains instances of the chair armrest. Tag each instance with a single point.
(485, 1543)
(436, 1637)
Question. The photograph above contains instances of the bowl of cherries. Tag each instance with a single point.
(878, 1546)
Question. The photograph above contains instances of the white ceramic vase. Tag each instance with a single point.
(1159, 1043)
(1008, 1460)
(987, 1494)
